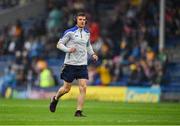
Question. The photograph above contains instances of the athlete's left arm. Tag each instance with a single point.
(90, 51)
(89, 48)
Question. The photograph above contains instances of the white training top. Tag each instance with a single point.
(78, 38)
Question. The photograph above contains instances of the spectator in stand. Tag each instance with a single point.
(5, 39)
(95, 31)
(34, 47)
(104, 73)
(8, 80)
(46, 78)
(54, 22)
(17, 35)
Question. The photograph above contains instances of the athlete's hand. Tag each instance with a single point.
(72, 50)
(95, 57)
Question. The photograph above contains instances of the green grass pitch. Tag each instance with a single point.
(36, 112)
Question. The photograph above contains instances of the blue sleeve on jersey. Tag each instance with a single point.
(86, 30)
(70, 30)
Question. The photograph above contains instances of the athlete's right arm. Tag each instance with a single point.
(61, 44)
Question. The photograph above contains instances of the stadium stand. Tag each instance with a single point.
(8, 4)
(124, 35)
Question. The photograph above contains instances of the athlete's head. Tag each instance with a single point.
(81, 19)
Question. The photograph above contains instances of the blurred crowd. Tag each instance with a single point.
(124, 34)
(6, 4)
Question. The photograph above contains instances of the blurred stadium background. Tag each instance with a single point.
(137, 41)
(138, 44)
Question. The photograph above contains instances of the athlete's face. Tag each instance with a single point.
(81, 21)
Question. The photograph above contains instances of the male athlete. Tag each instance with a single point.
(76, 44)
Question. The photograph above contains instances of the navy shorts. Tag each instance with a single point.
(71, 72)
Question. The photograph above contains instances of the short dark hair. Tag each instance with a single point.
(80, 14)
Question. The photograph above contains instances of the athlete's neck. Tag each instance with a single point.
(79, 27)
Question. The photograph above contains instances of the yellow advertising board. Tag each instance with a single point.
(99, 93)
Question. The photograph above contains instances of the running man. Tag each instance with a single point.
(76, 44)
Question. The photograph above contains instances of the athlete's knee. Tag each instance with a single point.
(83, 86)
(67, 89)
